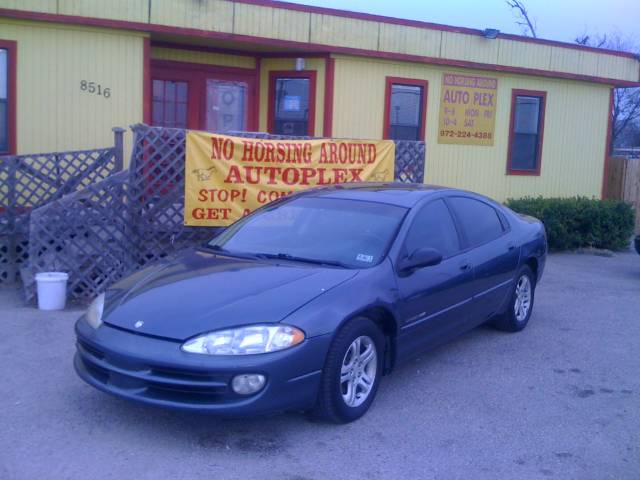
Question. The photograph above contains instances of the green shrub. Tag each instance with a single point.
(579, 222)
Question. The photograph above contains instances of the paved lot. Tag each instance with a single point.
(559, 400)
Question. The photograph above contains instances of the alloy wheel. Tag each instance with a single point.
(523, 298)
(358, 372)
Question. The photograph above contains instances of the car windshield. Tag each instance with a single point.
(348, 233)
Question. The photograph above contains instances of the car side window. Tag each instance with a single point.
(479, 220)
(433, 227)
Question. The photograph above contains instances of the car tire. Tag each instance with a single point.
(343, 396)
(518, 311)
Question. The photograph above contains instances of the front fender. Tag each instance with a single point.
(372, 288)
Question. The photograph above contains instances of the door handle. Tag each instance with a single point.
(511, 246)
(465, 266)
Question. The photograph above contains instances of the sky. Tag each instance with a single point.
(556, 19)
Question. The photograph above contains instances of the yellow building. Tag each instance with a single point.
(503, 115)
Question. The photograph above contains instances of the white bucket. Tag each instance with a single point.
(52, 290)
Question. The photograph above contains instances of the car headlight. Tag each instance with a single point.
(94, 312)
(249, 340)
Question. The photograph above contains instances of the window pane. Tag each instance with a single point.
(169, 113)
(4, 108)
(480, 221)
(525, 140)
(4, 74)
(524, 151)
(158, 89)
(527, 114)
(181, 115)
(170, 107)
(433, 227)
(292, 107)
(226, 105)
(170, 91)
(405, 112)
(181, 91)
(158, 113)
(4, 127)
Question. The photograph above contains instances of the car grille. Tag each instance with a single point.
(154, 381)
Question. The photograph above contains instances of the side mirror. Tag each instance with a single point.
(422, 257)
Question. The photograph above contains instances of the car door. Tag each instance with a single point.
(434, 301)
(491, 251)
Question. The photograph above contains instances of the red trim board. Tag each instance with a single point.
(390, 81)
(607, 154)
(146, 81)
(12, 94)
(532, 93)
(329, 82)
(312, 76)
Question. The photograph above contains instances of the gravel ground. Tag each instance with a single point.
(559, 400)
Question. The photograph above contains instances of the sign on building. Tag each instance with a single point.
(467, 109)
(228, 177)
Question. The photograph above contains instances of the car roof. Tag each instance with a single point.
(400, 194)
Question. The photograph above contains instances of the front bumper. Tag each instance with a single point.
(156, 371)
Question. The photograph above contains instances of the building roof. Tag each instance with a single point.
(267, 25)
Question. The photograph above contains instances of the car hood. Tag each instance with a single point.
(199, 291)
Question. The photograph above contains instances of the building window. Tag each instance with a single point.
(7, 96)
(170, 102)
(525, 136)
(4, 101)
(292, 103)
(405, 109)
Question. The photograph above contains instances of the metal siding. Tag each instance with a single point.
(588, 63)
(326, 29)
(44, 6)
(270, 64)
(358, 106)
(344, 32)
(574, 134)
(566, 60)
(591, 63)
(619, 67)
(127, 10)
(216, 15)
(207, 58)
(53, 113)
(469, 48)
(271, 22)
(525, 55)
(410, 40)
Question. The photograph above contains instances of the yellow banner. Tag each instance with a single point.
(467, 109)
(228, 177)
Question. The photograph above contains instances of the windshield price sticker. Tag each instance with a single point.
(228, 177)
(361, 257)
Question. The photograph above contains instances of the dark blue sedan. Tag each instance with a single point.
(307, 302)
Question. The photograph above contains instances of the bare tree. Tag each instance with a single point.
(522, 17)
(598, 42)
(626, 101)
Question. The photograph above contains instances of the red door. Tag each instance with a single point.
(203, 97)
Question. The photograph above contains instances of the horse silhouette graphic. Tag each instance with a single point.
(203, 174)
(380, 176)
